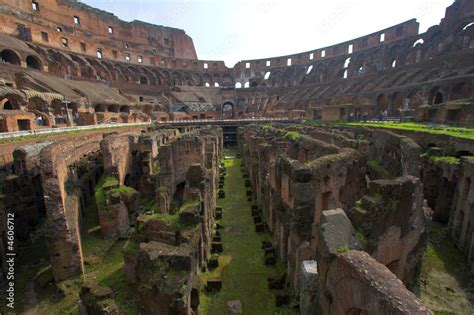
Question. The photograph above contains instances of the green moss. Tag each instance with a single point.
(292, 135)
(360, 236)
(101, 195)
(342, 249)
(445, 159)
(149, 204)
(458, 132)
(377, 167)
(130, 247)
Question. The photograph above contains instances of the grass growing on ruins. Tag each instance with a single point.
(378, 167)
(446, 159)
(438, 129)
(446, 284)
(241, 267)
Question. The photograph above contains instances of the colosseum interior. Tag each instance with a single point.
(136, 178)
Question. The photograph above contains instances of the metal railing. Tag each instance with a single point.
(43, 131)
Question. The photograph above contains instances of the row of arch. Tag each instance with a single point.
(374, 61)
(11, 57)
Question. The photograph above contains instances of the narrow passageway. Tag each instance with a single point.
(241, 264)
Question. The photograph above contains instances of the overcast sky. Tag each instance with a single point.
(234, 30)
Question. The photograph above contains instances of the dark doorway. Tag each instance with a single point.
(24, 124)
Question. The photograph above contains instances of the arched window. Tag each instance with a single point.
(34, 63)
(238, 85)
(347, 62)
(345, 74)
(247, 85)
(267, 75)
(9, 56)
(143, 80)
(418, 42)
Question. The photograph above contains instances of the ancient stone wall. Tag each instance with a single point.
(461, 220)
(297, 173)
(63, 200)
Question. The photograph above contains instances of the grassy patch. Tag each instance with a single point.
(241, 267)
(292, 135)
(459, 132)
(445, 159)
(445, 281)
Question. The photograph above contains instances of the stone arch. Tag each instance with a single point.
(100, 108)
(113, 108)
(227, 80)
(143, 80)
(397, 103)
(34, 62)
(382, 103)
(436, 96)
(8, 103)
(227, 110)
(125, 109)
(11, 57)
(37, 103)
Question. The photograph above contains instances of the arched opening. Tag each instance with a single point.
(128, 180)
(468, 26)
(347, 62)
(124, 109)
(254, 84)
(9, 56)
(216, 84)
(346, 73)
(143, 80)
(238, 85)
(310, 68)
(397, 103)
(247, 85)
(34, 63)
(382, 103)
(99, 108)
(436, 97)
(178, 197)
(113, 109)
(228, 110)
(266, 77)
(418, 42)
(9, 104)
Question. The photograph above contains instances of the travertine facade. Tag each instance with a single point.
(56, 51)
